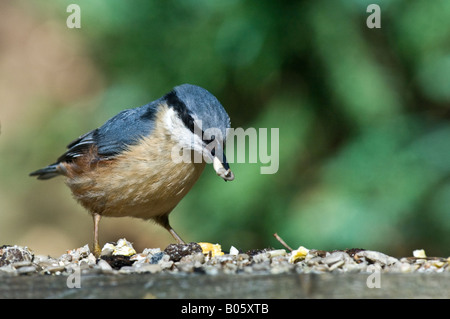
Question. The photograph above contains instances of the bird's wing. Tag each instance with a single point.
(113, 137)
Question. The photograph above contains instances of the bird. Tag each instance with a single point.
(132, 164)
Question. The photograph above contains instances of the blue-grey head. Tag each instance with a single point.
(198, 122)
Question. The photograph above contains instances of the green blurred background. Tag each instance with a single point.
(363, 116)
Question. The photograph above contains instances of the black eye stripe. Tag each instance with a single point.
(188, 121)
(174, 102)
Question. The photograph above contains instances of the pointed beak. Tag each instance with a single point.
(220, 163)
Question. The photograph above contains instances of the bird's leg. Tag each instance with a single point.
(175, 235)
(97, 249)
(164, 221)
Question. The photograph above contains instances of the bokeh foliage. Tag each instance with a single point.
(363, 115)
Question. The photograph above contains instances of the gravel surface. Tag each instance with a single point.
(121, 258)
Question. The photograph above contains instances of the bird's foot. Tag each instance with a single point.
(97, 250)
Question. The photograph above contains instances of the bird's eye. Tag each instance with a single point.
(207, 141)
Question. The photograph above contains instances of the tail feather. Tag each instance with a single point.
(48, 172)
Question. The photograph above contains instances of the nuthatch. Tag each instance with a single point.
(126, 167)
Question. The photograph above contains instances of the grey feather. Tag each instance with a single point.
(113, 137)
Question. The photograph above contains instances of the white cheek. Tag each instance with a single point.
(180, 133)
